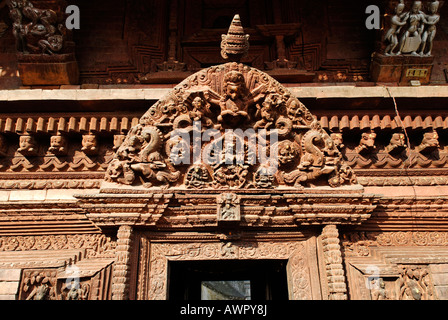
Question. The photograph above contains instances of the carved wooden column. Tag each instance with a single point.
(337, 288)
(122, 267)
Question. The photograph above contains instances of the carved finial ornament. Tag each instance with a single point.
(235, 45)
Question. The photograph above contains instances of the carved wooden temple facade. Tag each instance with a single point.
(153, 148)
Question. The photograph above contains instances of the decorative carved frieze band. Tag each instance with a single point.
(95, 245)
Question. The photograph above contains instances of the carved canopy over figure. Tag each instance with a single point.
(229, 126)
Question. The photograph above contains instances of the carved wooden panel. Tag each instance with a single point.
(396, 265)
(301, 269)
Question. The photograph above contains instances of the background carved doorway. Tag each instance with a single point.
(228, 280)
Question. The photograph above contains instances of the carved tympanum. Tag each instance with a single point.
(229, 126)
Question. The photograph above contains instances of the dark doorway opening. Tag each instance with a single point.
(228, 280)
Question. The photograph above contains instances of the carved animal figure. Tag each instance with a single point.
(312, 145)
(397, 142)
(89, 144)
(151, 144)
(367, 142)
(119, 171)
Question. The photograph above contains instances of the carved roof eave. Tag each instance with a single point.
(196, 209)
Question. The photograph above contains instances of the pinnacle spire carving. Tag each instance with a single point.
(235, 44)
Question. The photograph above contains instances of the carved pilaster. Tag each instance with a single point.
(122, 267)
(337, 289)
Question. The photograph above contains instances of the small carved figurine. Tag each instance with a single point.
(397, 143)
(430, 31)
(267, 111)
(367, 142)
(27, 146)
(430, 142)
(196, 177)
(264, 177)
(397, 21)
(288, 152)
(200, 108)
(89, 144)
(58, 145)
(228, 207)
(411, 39)
(338, 140)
